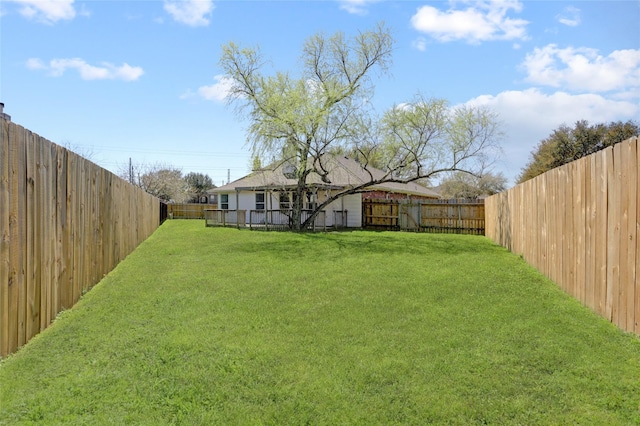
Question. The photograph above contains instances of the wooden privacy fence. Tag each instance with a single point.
(443, 216)
(64, 223)
(579, 225)
(188, 210)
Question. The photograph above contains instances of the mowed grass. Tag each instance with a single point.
(211, 326)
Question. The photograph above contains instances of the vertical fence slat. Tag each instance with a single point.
(31, 308)
(45, 178)
(540, 200)
(622, 162)
(5, 242)
(602, 163)
(552, 210)
(12, 292)
(628, 233)
(590, 235)
(23, 255)
(17, 250)
(636, 143)
(563, 217)
(62, 218)
(579, 225)
(613, 235)
(71, 233)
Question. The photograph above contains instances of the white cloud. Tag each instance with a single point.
(35, 64)
(194, 13)
(530, 116)
(356, 7)
(420, 44)
(482, 21)
(550, 110)
(46, 11)
(217, 91)
(583, 69)
(570, 16)
(105, 71)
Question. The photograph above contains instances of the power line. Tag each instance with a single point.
(165, 151)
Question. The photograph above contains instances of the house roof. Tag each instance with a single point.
(343, 173)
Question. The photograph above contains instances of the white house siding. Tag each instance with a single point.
(352, 203)
(247, 201)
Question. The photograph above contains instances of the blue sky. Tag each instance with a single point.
(141, 80)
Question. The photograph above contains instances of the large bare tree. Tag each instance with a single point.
(298, 121)
(161, 180)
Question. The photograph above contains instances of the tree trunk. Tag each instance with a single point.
(298, 203)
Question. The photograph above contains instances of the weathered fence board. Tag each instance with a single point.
(5, 238)
(64, 223)
(579, 225)
(629, 234)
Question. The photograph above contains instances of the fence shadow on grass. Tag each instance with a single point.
(369, 242)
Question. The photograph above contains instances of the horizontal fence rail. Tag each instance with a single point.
(64, 223)
(579, 225)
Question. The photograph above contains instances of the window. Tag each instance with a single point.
(224, 201)
(286, 200)
(259, 200)
(311, 202)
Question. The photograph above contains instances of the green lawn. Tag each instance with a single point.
(219, 326)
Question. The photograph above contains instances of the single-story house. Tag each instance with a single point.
(272, 189)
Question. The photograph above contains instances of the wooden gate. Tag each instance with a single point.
(380, 214)
(410, 217)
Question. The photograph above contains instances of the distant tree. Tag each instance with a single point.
(567, 144)
(256, 163)
(465, 185)
(300, 120)
(197, 184)
(161, 180)
(620, 131)
(166, 183)
(83, 151)
(542, 159)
